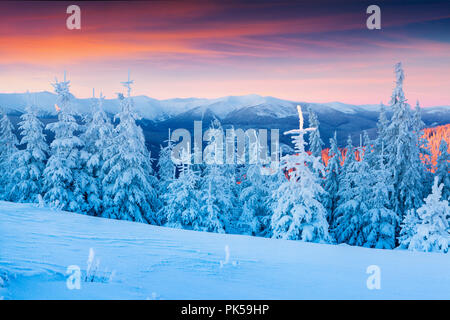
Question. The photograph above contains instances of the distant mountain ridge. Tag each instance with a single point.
(157, 110)
(249, 111)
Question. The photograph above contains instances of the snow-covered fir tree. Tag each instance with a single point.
(216, 186)
(332, 173)
(443, 170)
(403, 152)
(315, 142)
(379, 221)
(182, 205)
(8, 148)
(432, 233)
(129, 186)
(353, 189)
(97, 137)
(27, 178)
(298, 214)
(61, 185)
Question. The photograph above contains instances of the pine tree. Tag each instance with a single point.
(316, 143)
(61, 184)
(129, 184)
(27, 178)
(432, 232)
(353, 189)
(442, 170)
(8, 147)
(403, 150)
(298, 213)
(379, 221)
(332, 178)
(97, 137)
(181, 200)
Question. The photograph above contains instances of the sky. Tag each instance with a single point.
(315, 51)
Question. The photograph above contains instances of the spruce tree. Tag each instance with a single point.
(353, 190)
(298, 213)
(61, 184)
(333, 171)
(8, 148)
(129, 184)
(316, 143)
(443, 170)
(97, 137)
(404, 155)
(432, 232)
(27, 178)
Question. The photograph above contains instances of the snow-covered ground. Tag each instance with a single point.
(38, 244)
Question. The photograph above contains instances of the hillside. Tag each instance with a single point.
(38, 244)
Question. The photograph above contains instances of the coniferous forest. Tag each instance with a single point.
(381, 193)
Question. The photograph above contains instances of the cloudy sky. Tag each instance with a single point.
(318, 51)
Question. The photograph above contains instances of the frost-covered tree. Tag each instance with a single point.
(403, 152)
(442, 170)
(182, 206)
(61, 174)
(254, 197)
(129, 186)
(408, 228)
(166, 167)
(332, 178)
(315, 142)
(353, 189)
(216, 186)
(432, 232)
(8, 147)
(97, 137)
(298, 214)
(379, 221)
(27, 178)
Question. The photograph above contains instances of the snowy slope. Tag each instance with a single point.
(37, 245)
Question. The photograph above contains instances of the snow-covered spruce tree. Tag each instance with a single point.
(129, 186)
(408, 228)
(353, 189)
(216, 186)
(182, 207)
(298, 213)
(332, 179)
(256, 190)
(315, 142)
(432, 232)
(166, 167)
(27, 178)
(97, 137)
(442, 170)
(166, 171)
(379, 221)
(382, 125)
(8, 147)
(423, 149)
(403, 152)
(62, 186)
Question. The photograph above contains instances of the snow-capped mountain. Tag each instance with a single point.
(247, 111)
(153, 109)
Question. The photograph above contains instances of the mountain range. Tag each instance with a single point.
(249, 111)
